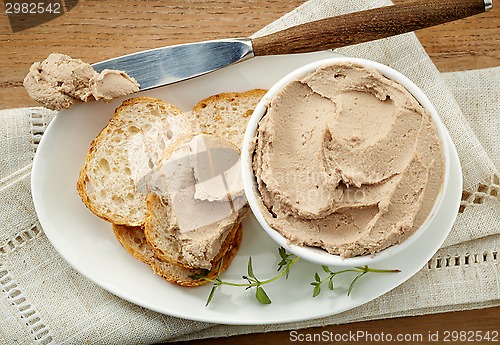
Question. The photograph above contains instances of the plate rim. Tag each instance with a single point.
(45, 223)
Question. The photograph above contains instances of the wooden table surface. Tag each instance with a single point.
(95, 30)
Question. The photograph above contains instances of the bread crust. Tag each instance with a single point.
(134, 241)
(226, 114)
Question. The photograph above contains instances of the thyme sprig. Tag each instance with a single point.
(287, 261)
(361, 270)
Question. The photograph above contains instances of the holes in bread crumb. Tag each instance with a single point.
(133, 130)
(137, 241)
(169, 134)
(104, 165)
(118, 200)
(162, 145)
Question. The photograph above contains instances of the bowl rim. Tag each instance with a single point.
(318, 255)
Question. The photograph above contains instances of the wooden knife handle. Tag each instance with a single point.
(366, 26)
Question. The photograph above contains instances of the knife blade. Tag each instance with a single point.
(167, 65)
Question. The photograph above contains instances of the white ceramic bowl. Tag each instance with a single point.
(318, 255)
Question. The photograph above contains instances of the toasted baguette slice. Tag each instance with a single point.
(226, 114)
(134, 241)
(188, 277)
(162, 234)
(194, 238)
(123, 153)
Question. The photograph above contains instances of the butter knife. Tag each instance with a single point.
(167, 65)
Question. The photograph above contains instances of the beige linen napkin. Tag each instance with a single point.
(43, 300)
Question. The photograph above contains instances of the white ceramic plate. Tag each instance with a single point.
(87, 243)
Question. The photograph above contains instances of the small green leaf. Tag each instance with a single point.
(317, 290)
(284, 258)
(282, 253)
(202, 274)
(330, 284)
(220, 267)
(250, 268)
(211, 295)
(261, 296)
(326, 269)
(354, 281)
(317, 277)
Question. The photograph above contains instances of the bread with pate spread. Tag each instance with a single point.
(117, 183)
(192, 217)
(134, 241)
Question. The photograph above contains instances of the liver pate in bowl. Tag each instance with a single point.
(343, 162)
